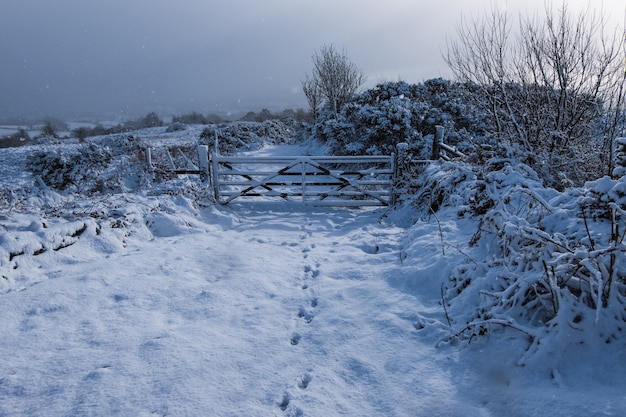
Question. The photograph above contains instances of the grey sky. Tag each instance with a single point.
(123, 58)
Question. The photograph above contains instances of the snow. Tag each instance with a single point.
(147, 303)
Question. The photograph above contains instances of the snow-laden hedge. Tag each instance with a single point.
(375, 121)
(110, 164)
(548, 265)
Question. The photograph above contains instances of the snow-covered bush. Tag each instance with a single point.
(175, 127)
(109, 165)
(338, 134)
(375, 121)
(466, 187)
(548, 264)
(64, 168)
(449, 184)
(540, 97)
(19, 138)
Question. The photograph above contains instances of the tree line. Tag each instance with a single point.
(50, 127)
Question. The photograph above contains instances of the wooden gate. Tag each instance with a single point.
(313, 180)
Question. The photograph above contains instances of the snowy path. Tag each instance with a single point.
(245, 312)
(257, 313)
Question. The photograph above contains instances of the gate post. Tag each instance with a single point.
(215, 176)
(303, 182)
(148, 152)
(401, 166)
(203, 158)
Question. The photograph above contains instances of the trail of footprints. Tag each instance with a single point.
(305, 314)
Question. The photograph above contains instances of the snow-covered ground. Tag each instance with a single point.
(145, 304)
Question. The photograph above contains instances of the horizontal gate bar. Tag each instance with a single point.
(275, 193)
(299, 174)
(344, 203)
(366, 159)
(311, 183)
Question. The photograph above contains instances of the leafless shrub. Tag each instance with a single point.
(556, 90)
(334, 77)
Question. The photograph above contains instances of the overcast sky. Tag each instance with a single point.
(124, 58)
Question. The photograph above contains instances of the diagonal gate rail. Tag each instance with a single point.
(314, 180)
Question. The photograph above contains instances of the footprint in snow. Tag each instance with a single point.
(314, 272)
(118, 298)
(289, 409)
(303, 314)
(304, 381)
(309, 248)
(284, 403)
(295, 339)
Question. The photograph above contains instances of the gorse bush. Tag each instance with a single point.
(90, 168)
(73, 168)
(375, 121)
(19, 138)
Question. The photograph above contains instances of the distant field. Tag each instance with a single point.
(9, 130)
(36, 129)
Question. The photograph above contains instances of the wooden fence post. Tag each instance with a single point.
(437, 140)
(149, 158)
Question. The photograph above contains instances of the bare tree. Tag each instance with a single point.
(313, 95)
(615, 103)
(48, 130)
(334, 78)
(549, 88)
(574, 58)
(481, 56)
